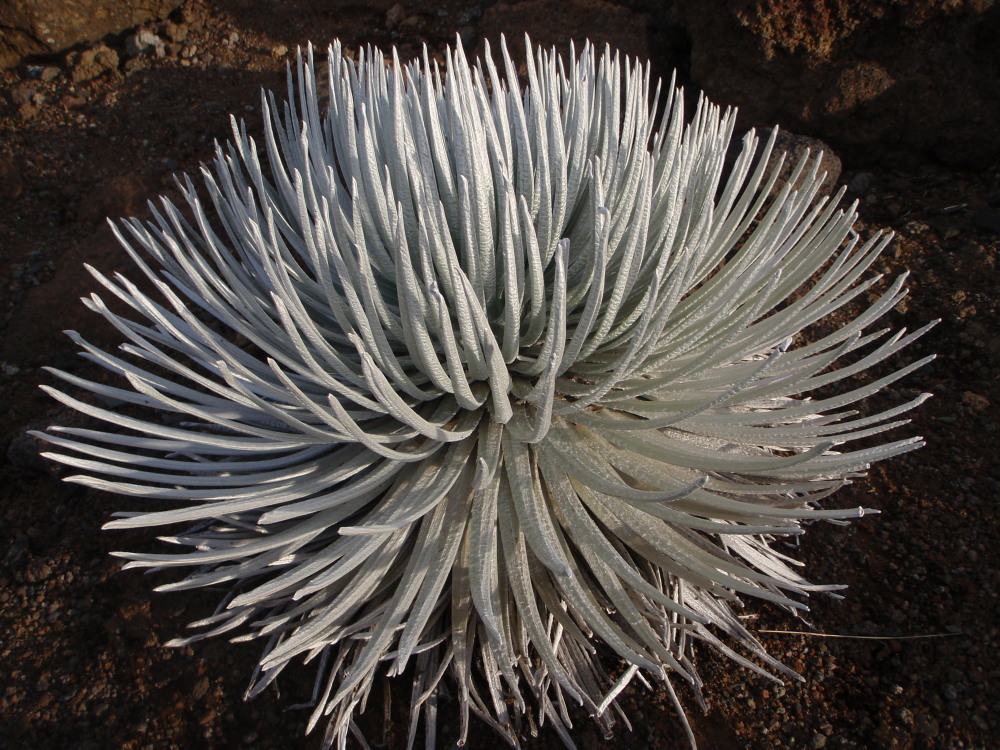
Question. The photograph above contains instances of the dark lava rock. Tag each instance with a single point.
(556, 22)
(884, 79)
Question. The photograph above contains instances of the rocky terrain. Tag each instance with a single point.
(905, 94)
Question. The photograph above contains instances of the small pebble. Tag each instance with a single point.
(861, 183)
(175, 32)
(200, 688)
(394, 16)
(142, 41)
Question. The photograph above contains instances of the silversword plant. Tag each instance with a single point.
(464, 378)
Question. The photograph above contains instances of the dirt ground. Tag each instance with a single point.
(80, 641)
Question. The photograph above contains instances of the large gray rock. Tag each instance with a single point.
(39, 27)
